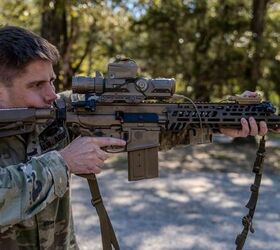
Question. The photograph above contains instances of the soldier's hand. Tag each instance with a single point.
(248, 127)
(84, 155)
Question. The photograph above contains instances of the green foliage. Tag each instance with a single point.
(208, 46)
(20, 13)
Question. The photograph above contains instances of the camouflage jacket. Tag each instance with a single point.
(34, 195)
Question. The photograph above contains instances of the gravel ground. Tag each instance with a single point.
(193, 205)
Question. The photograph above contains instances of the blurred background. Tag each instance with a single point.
(212, 48)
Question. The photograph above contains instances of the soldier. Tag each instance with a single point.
(34, 184)
(35, 211)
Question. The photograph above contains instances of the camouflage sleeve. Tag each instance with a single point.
(26, 189)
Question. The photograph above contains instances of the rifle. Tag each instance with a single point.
(138, 110)
(123, 105)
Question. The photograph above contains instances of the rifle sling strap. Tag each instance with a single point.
(247, 220)
(107, 231)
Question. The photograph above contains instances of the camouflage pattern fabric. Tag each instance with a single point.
(34, 196)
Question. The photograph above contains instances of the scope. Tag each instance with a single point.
(123, 84)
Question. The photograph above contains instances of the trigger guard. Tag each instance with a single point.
(112, 150)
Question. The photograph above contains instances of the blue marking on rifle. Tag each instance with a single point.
(136, 117)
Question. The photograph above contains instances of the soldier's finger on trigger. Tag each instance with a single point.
(109, 141)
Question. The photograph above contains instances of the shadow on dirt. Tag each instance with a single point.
(197, 203)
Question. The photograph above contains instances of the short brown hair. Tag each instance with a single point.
(18, 47)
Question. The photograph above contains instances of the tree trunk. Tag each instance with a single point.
(254, 71)
(63, 32)
(200, 85)
(54, 29)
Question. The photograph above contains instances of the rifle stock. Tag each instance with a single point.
(19, 121)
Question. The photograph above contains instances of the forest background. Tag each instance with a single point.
(213, 48)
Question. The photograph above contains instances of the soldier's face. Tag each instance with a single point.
(33, 88)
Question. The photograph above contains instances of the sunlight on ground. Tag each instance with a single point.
(243, 180)
(197, 203)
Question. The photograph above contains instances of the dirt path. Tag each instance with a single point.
(197, 203)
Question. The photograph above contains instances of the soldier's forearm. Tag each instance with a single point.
(26, 189)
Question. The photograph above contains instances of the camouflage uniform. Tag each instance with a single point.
(40, 216)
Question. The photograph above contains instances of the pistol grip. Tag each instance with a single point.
(143, 164)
